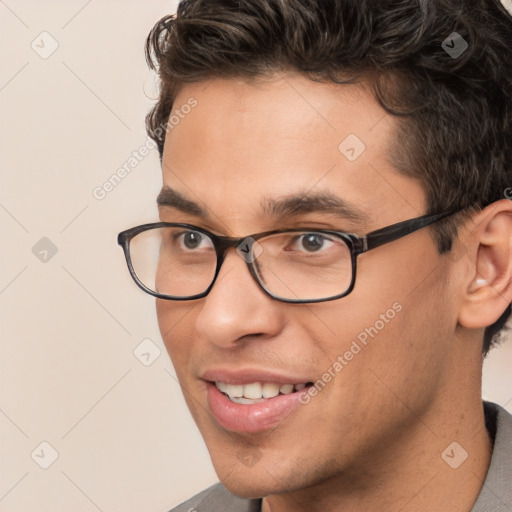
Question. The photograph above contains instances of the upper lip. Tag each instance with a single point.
(250, 375)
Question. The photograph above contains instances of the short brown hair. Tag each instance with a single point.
(455, 134)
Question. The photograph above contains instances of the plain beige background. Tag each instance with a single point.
(111, 428)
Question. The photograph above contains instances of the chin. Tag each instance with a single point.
(257, 479)
(251, 485)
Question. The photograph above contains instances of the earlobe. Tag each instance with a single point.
(489, 288)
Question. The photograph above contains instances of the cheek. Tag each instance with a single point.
(174, 322)
(391, 332)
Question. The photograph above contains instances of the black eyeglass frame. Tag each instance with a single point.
(356, 244)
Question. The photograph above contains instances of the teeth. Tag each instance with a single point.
(246, 400)
(286, 389)
(221, 386)
(270, 390)
(234, 390)
(252, 390)
(256, 391)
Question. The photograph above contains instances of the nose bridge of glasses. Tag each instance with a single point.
(243, 247)
(223, 243)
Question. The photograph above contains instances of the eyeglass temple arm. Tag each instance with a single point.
(398, 230)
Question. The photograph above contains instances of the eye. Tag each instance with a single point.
(313, 242)
(193, 240)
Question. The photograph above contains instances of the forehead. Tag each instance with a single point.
(243, 141)
(290, 107)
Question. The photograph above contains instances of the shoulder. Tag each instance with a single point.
(217, 499)
(496, 493)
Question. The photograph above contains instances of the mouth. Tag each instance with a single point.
(251, 406)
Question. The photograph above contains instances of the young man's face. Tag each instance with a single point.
(243, 144)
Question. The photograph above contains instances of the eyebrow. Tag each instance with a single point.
(286, 206)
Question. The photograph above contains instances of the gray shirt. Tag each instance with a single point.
(495, 496)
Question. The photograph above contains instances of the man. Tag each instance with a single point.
(296, 128)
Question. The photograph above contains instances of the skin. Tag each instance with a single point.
(372, 439)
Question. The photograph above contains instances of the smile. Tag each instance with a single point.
(256, 392)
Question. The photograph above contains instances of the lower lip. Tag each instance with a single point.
(250, 418)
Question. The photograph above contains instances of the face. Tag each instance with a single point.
(383, 345)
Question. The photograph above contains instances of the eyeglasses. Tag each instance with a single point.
(181, 262)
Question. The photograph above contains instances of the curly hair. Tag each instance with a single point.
(455, 110)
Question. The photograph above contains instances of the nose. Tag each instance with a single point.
(236, 307)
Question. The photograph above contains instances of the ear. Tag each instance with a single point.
(488, 283)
